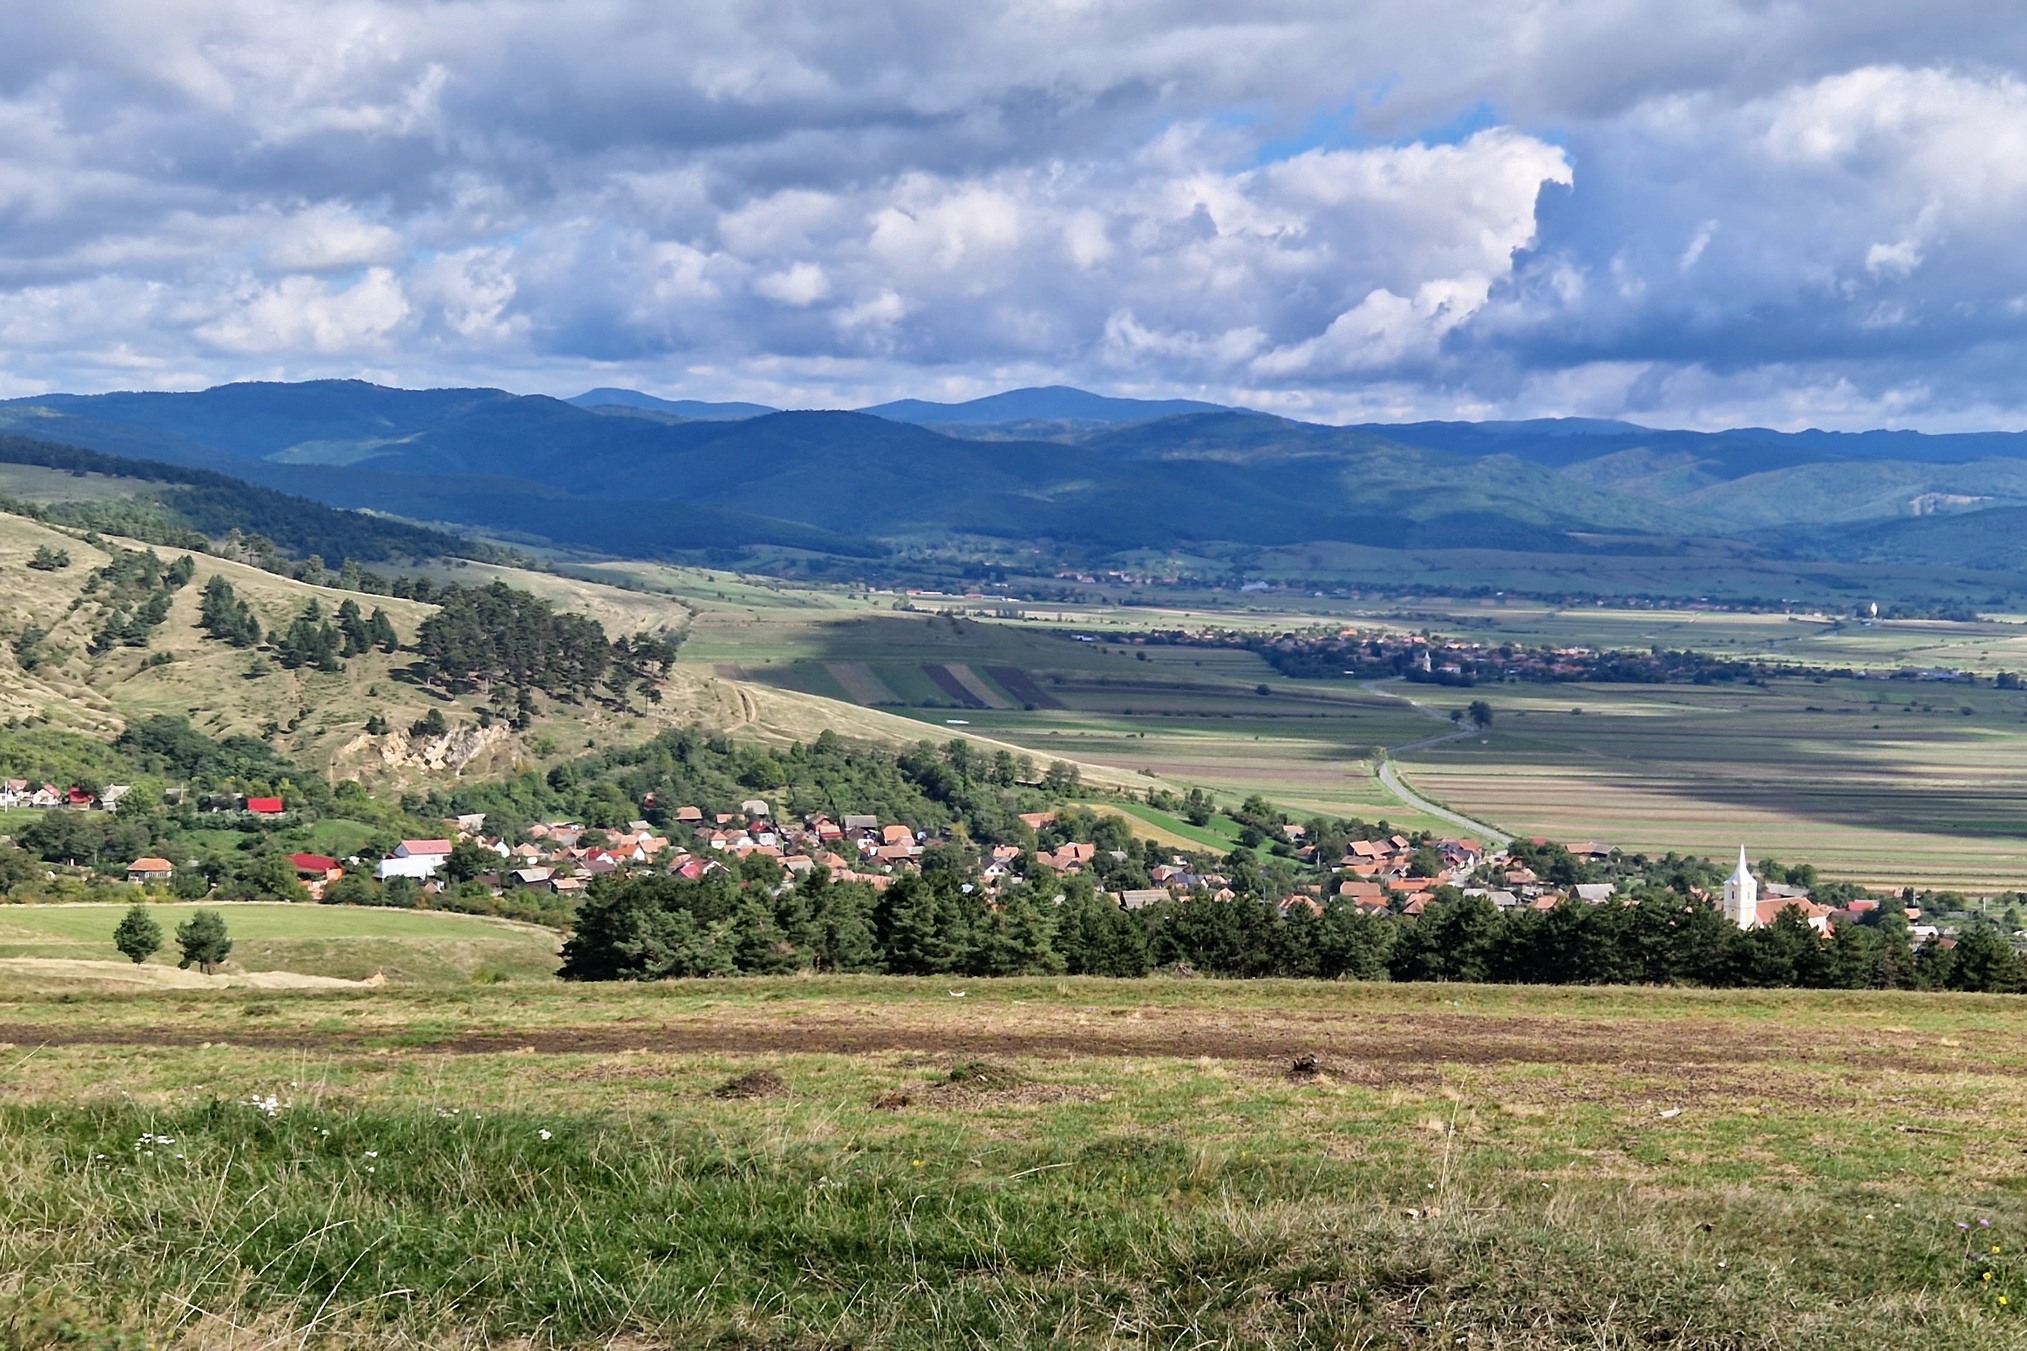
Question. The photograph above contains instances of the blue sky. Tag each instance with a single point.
(1720, 214)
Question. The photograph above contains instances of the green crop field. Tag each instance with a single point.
(865, 1162)
(348, 942)
(1220, 833)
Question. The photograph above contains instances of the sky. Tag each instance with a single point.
(1721, 213)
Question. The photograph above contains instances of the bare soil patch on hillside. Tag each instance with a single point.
(151, 976)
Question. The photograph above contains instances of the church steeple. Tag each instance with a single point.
(1742, 894)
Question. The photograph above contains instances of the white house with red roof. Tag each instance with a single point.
(419, 859)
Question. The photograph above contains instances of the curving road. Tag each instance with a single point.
(1390, 778)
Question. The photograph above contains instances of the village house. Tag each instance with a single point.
(143, 870)
(316, 867)
(418, 859)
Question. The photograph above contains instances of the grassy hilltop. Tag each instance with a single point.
(1024, 1163)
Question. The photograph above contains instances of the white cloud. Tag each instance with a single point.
(328, 237)
(305, 314)
(803, 200)
(800, 284)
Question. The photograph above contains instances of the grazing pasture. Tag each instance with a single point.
(859, 1162)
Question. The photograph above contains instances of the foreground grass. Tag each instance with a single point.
(1036, 1163)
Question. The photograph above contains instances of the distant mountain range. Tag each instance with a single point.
(1083, 475)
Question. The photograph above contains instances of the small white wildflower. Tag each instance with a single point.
(543, 1134)
(372, 1153)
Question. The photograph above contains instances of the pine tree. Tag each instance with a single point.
(352, 625)
(1097, 938)
(138, 936)
(310, 640)
(1017, 940)
(204, 941)
(223, 615)
(922, 926)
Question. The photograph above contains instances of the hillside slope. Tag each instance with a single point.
(318, 718)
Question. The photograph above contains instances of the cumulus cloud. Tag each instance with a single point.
(1393, 209)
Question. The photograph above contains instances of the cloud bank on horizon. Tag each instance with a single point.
(1708, 215)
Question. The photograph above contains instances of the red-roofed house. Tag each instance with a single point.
(150, 870)
(268, 806)
(315, 867)
(414, 858)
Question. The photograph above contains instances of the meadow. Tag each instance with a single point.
(347, 942)
(867, 1162)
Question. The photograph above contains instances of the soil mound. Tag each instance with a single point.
(753, 1084)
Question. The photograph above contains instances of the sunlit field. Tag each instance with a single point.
(1032, 1163)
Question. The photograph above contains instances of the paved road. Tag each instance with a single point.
(1390, 779)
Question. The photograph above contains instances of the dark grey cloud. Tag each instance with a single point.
(1730, 211)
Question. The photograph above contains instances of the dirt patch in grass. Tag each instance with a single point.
(753, 1084)
(1306, 1069)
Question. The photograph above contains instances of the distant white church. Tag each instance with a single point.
(1742, 895)
(1743, 906)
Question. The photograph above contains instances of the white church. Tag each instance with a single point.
(1742, 895)
(1743, 906)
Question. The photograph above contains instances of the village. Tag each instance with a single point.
(1378, 654)
(1394, 875)
(1397, 875)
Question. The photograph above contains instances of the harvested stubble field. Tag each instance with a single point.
(1886, 783)
(862, 1162)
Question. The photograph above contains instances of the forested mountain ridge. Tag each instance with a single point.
(619, 473)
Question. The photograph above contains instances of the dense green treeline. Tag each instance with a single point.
(940, 923)
(925, 787)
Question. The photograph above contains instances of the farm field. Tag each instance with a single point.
(1040, 1163)
(1888, 784)
(1187, 715)
(348, 942)
(1984, 646)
